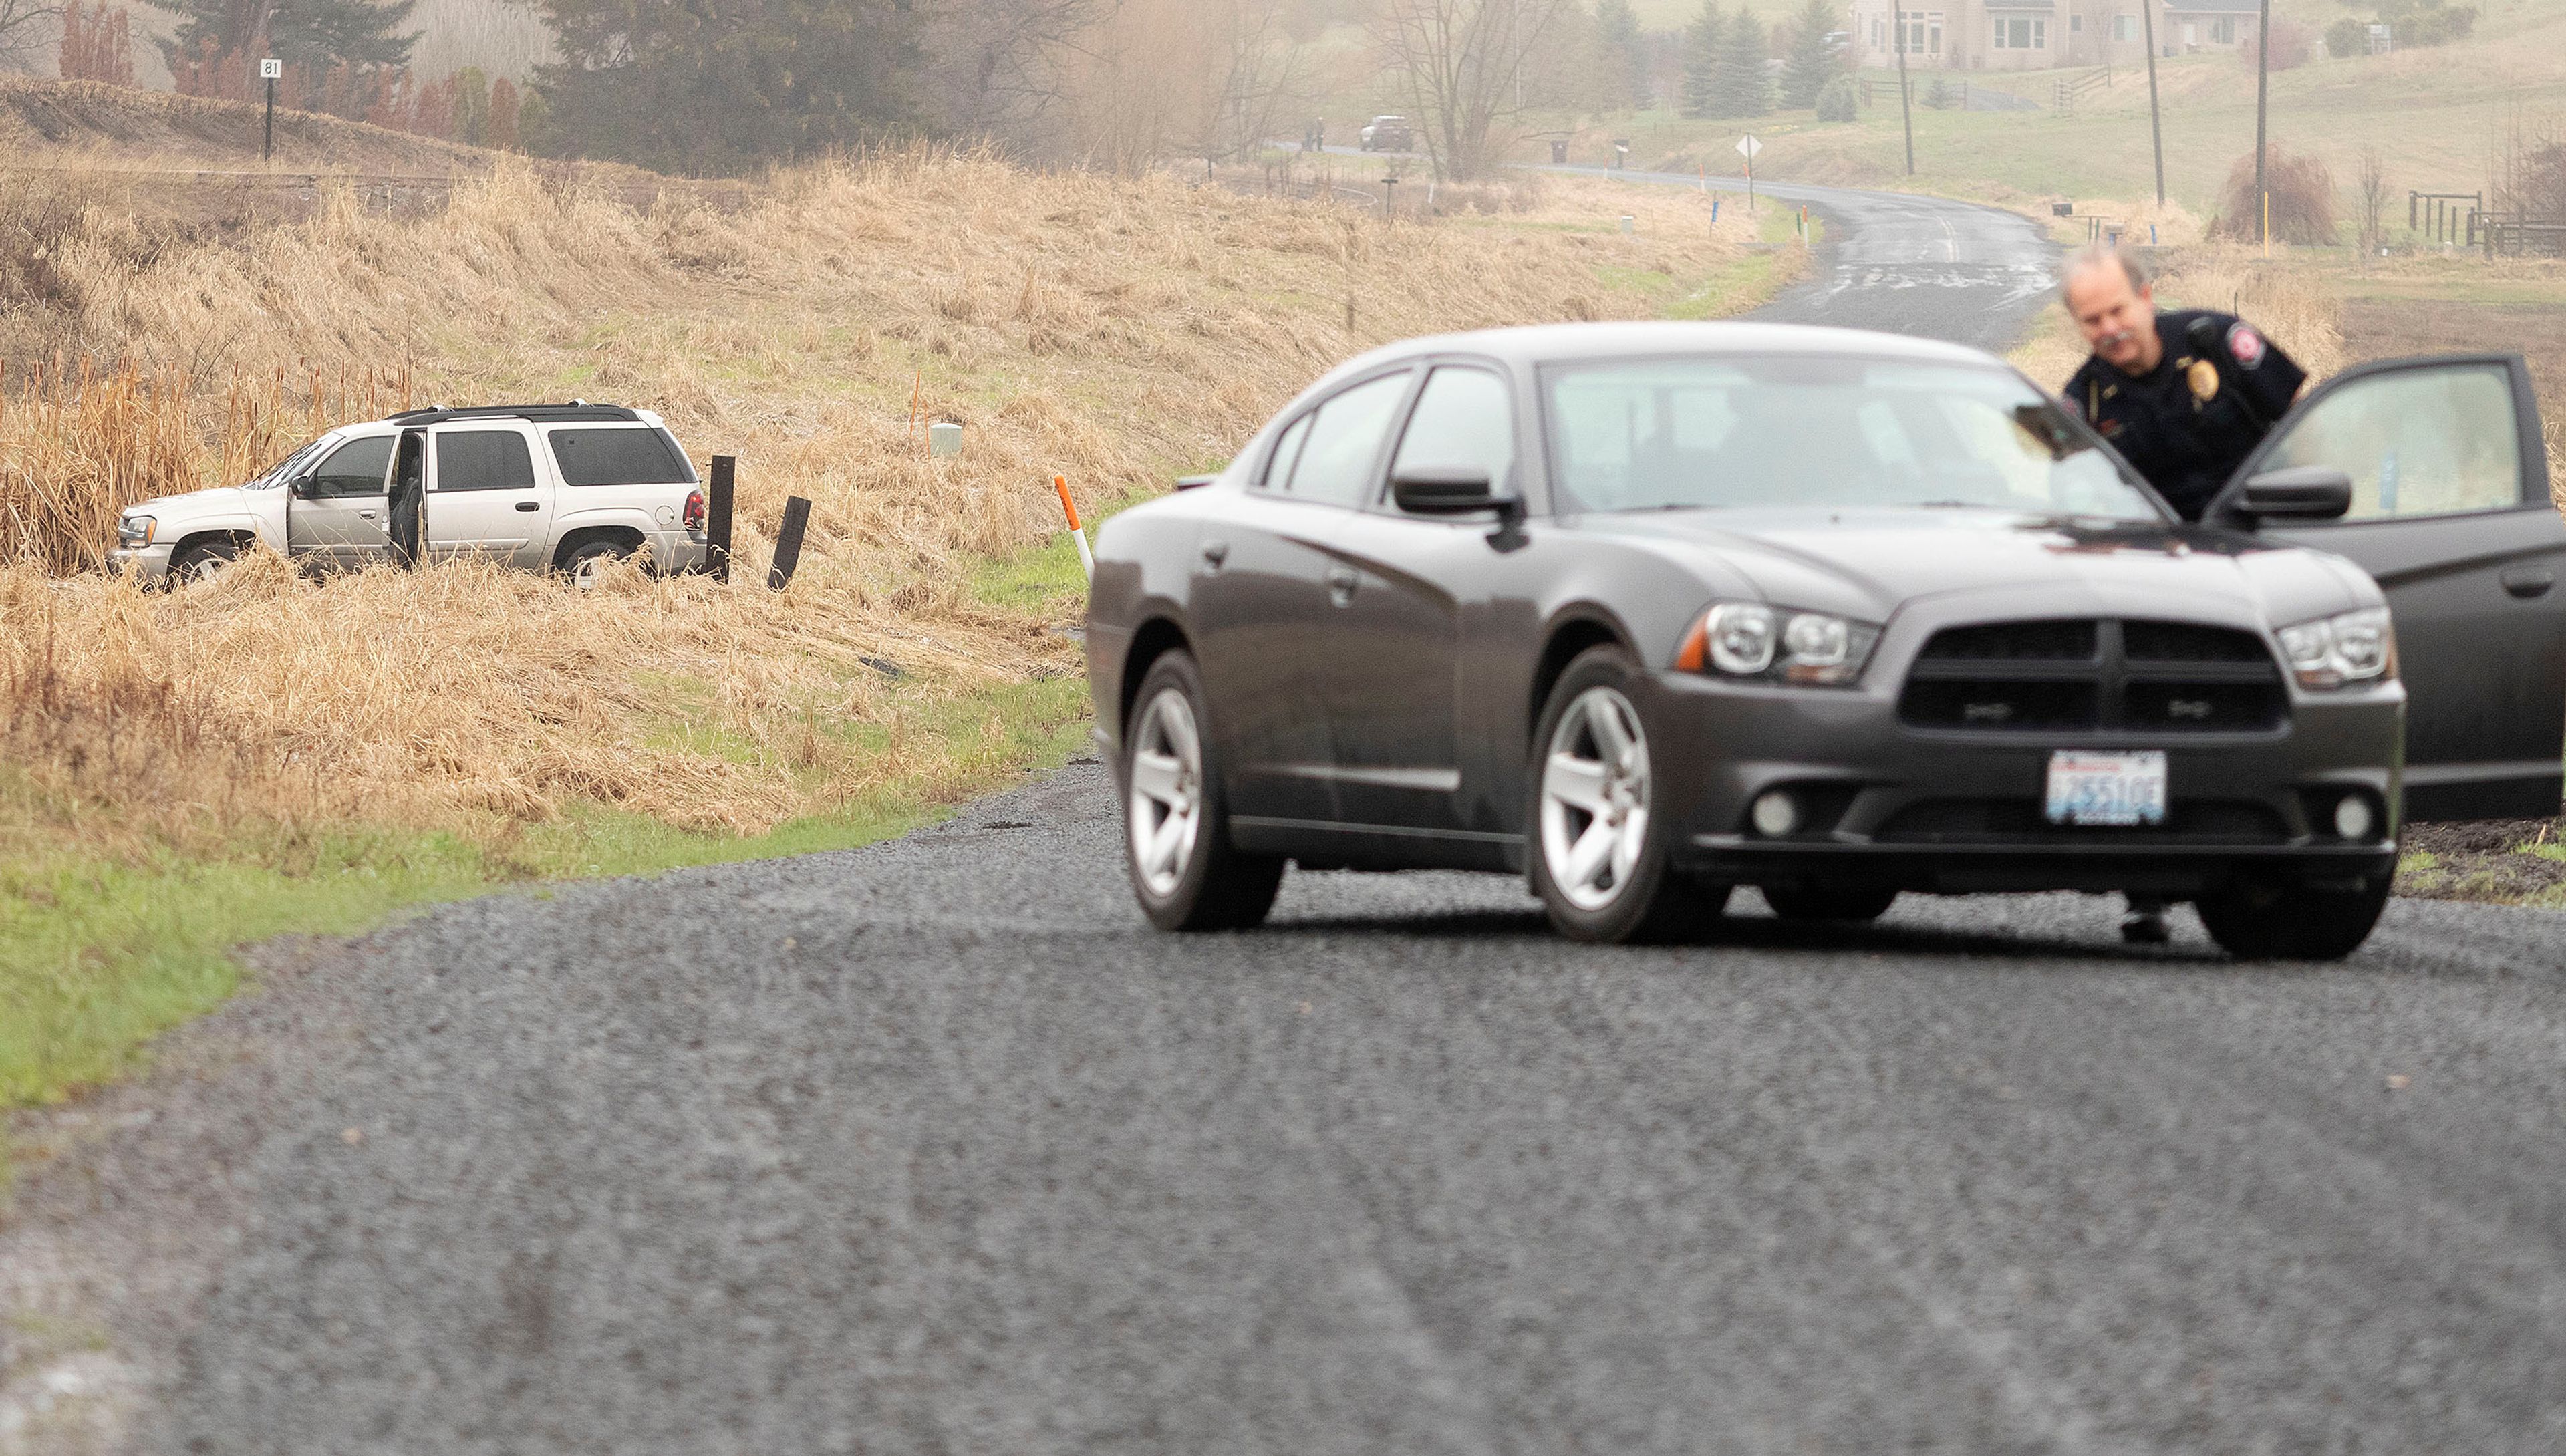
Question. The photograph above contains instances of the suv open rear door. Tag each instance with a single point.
(2452, 515)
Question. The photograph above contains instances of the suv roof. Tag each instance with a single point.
(575, 409)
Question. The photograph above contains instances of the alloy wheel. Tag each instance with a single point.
(1167, 791)
(1594, 799)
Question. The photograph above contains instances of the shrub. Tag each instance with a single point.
(2347, 38)
(1937, 96)
(1837, 100)
(2302, 200)
(2292, 45)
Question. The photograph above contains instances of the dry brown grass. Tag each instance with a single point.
(1119, 330)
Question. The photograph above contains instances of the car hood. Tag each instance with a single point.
(220, 500)
(1870, 563)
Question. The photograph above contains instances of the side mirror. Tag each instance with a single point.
(304, 487)
(1449, 490)
(2298, 493)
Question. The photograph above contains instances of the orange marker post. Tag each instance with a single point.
(1077, 533)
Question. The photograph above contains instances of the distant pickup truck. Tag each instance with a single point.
(1388, 133)
(560, 487)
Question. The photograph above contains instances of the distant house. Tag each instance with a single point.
(2043, 34)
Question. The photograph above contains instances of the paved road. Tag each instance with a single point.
(933, 1148)
(1893, 261)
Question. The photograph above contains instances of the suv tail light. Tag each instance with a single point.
(694, 510)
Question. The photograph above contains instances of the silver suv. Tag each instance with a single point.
(567, 487)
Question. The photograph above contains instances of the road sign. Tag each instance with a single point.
(1747, 147)
(270, 69)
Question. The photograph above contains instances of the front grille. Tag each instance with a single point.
(2022, 821)
(2016, 641)
(2104, 673)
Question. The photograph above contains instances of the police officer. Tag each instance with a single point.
(2185, 396)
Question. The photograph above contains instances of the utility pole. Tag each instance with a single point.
(1906, 110)
(2262, 98)
(2156, 122)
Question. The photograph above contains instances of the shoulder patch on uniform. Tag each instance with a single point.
(2244, 344)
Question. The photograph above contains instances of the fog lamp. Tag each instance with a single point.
(1776, 813)
(2353, 818)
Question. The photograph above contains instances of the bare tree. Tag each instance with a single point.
(2373, 184)
(1461, 64)
(999, 67)
(1261, 75)
(27, 27)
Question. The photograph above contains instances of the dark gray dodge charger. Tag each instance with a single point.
(1647, 612)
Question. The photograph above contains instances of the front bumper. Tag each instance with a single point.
(149, 564)
(1960, 810)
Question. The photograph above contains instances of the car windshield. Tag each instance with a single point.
(1822, 431)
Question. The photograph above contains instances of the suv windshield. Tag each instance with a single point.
(1784, 430)
(284, 469)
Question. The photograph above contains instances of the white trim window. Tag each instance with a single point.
(2125, 27)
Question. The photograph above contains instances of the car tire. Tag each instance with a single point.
(2254, 922)
(203, 561)
(587, 558)
(1175, 818)
(1845, 903)
(1588, 775)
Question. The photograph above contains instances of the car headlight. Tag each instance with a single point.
(135, 530)
(2344, 650)
(1752, 639)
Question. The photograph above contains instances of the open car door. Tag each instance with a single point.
(2451, 513)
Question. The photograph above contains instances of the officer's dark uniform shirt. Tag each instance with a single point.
(2184, 424)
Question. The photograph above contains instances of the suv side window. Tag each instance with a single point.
(355, 468)
(1337, 460)
(2433, 441)
(620, 455)
(483, 460)
(1461, 419)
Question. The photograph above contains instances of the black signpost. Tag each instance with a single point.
(268, 70)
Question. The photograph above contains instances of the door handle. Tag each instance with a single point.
(365, 510)
(1341, 585)
(530, 505)
(1215, 553)
(2529, 581)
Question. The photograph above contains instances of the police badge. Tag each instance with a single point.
(2203, 379)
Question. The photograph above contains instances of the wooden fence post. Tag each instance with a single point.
(788, 542)
(717, 506)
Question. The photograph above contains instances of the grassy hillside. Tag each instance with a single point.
(2437, 116)
(265, 753)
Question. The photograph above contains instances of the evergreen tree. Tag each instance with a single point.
(1626, 55)
(1745, 88)
(1702, 40)
(1806, 66)
(720, 85)
(314, 35)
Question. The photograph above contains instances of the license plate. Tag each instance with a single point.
(2106, 788)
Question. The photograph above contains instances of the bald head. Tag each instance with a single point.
(2107, 293)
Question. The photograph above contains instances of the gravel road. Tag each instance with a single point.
(933, 1148)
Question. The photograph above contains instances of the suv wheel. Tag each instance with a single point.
(1843, 902)
(1175, 840)
(203, 561)
(2260, 923)
(1598, 857)
(589, 558)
